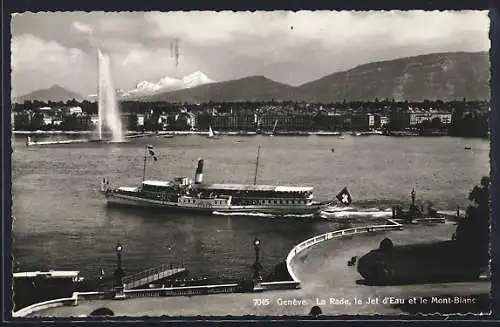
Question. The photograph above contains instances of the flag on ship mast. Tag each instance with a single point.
(344, 197)
(152, 153)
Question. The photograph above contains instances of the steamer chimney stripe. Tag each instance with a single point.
(198, 178)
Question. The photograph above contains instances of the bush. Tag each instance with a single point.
(386, 245)
(473, 231)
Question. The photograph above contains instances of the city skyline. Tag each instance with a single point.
(288, 47)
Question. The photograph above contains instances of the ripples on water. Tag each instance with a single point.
(63, 223)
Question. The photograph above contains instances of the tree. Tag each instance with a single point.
(37, 121)
(456, 126)
(426, 124)
(436, 123)
(21, 121)
(473, 232)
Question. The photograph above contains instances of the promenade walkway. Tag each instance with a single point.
(325, 277)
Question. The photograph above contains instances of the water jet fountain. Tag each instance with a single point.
(109, 113)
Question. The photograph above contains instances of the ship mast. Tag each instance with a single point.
(98, 93)
(145, 158)
(256, 166)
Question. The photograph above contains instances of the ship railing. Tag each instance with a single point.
(335, 234)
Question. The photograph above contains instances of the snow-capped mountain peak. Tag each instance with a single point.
(147, 86)
(166, 84)
(195, 79)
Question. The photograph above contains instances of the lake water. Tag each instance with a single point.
(62, 222)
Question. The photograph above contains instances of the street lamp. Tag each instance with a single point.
(119, 273)
(257, 267)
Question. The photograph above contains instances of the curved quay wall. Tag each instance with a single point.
(73, 300)
(212, 289)
(45, 305)
(335, 234)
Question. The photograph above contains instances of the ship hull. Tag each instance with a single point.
(137, 201)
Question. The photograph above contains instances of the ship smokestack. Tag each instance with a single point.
(198, 178)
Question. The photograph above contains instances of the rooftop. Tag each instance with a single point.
(157, 183)
(251, 187)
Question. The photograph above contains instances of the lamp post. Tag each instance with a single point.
(119, 273)
(257, 267)
(413, 208)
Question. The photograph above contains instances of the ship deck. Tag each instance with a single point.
(251, 187)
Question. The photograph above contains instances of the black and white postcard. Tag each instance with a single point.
(266, 163)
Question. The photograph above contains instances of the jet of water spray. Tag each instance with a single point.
(109, 112)
(176, 49)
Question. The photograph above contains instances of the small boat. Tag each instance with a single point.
(467, 147)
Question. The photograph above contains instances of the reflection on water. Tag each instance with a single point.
(62, 221)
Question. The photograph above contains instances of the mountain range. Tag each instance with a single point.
(438, 76)
(167, 84)
(54, 93)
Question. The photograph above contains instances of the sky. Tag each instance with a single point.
(289, 47)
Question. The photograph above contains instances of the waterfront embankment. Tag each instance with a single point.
(327, 281)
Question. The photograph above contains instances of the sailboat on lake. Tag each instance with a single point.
(274, 128)
(211, 134)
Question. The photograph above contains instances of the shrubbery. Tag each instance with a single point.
(473, 232)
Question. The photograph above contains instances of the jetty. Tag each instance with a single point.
(415, 214)
(31, 142)
(152, 275)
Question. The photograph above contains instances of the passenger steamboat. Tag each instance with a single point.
(184, 193)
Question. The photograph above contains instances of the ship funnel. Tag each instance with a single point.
(198, 178)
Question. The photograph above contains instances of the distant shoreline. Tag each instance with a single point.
(243, 133)
(240, 133)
